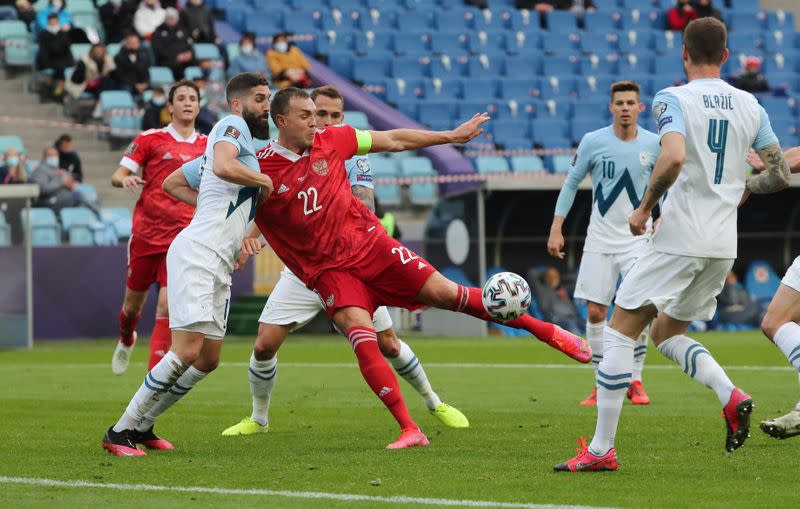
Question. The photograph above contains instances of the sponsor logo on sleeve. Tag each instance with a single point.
(362, 165)
(131, 149)
(364, 178)
(658, 109)
(232, 132)
(664, 122)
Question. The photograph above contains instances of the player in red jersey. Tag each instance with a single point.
(336, 246)
(157, 217)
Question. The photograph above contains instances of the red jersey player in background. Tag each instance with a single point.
(157, 217)
(337, 246)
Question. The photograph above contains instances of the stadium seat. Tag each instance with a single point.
(491, 164)
(410, 67)
(455, 19)
(161, 76)
(523, 66)
(423, 193)
(668, 41)
(595, 64)
(88, 191)
(594, 86)
(561, 65)
(415, 166)
(410, 44)
(370, 69)
(527, 164)
(79, 49)
(120, 218)
(746, 21)
(388, 194)
(77, 223)
(632, 41)
(761, 282)
(448, 43)
(520, 90)
(580, 127)
(436, 112)
(307, 22)
(562, 163)
(206, 51)
(44, 226)
(561, 21)
(5, 231)
(780, 20)
(477, 89)
(414, 22)
(357, 120)
(557, 87)
(601, 22)
(600, 43)
(383, 167)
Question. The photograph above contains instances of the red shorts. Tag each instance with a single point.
(147, 264)
(392, 275)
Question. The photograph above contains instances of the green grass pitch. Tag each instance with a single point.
(328, 431)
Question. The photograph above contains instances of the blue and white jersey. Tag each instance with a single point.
(620, 172)
(192, 171)
(224, 209)
(720, 123)
(358, 172)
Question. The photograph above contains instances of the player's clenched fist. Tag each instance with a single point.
(638, 222)
(132, 183)
(470, 129)
(266, 189)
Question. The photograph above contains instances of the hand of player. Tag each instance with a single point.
(469, 129)
(266, 190)
(555, 244)
(638, 222)
(132, 182)
(250, 247)
(745, 196)
(755, 161)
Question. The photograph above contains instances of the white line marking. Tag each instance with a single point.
(341, 365)
(320, 495)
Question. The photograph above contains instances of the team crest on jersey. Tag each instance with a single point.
(232, 132)
(646, 158)
(658, 109)
(131, 149)
(362, 165)
(320, 167)
(329, 301)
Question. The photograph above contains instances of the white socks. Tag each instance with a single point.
(639, 353)
(157, 381)
(698, 363)
(613, 379)
(594, 334)
(179, 389)
(787, 338)
(408, 366)
(262, 379)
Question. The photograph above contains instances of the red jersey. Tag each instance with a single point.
(312, 220)
(153, 155)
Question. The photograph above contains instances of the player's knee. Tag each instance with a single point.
(596, 313)
(441, 293)
(265, 347)
(770, 324)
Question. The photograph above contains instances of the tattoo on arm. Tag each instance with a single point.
(366, 195)
(775, 176)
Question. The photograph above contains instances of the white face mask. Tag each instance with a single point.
(247, 49)
(52, 161)
(57, 4)
(12, 161)
(53, 29)
(281, 46)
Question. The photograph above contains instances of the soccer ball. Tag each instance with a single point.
(506, 296)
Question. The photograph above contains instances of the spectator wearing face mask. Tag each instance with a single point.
(54, 54)
(57, 189)
(249, 59)
(133, 66)
(92, 73)
(68, 158)
(680, 15)
(13, 169)
(148, 17)
(287, 64)
(156, 113)
(59, 8)
(117, 18)
(172, 45)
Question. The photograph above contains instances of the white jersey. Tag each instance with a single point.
(720, 123)
(224, 209)
(620, 172)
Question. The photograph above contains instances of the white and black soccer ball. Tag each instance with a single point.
(506, 296)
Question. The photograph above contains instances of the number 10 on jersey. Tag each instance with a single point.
(717, 138)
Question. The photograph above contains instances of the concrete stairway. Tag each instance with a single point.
(99, 162)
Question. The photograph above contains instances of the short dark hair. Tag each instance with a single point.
(328, 91)
(182, 83)
(64, 138)
(242, 83)
(280, 103)
(705, 40)
(625, 86)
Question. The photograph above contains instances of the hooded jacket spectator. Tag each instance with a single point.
(148, 17)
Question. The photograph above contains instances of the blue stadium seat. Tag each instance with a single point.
(634, 41)
(308, 22)
(11, 141)
(457, 275)
(509, 129)
(595, 86)
(370, 68)
(746, 21)
(88, 191)
(782, 80)
(640, 19)
(466, 109)
(562, 163)
(449, 66)
(761, 282)
(519, 21)
(120, 218)
(598, 43)
(543, 127)
(560, 65)
(523, 43)
(557, 87)
(206, 51)
(635, 63)
(416, 166)
(442, 89)
(595, 107)
(120, 100)
(561, 42)
(77, 222)
(483, 66)
(607, 5)
(485, 42)
(5, 231)
(601, 22)
(369, 42)
(455, 19)
(527, 164)
(414, 22)
(668, 42)
(777, 40)
(669, 66)
(521, 90)
(561, 21)
(425, 194)
(448, 43)
(410, 68)
(780, 20)
(263, 24)
(559, 108)
(599, 64)
(432, 113)
(745, 42)
(745, 5)
(388, 194)
(161, 76)
(409, 43)
(478, 88)
(491, 164)
(385, 19)
(357, 120)
(383, 167)
(44, 226)
(341, 61)
(523, 66)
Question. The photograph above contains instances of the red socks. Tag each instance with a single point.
(469, 301)
(160, 341)
(126, 327)
(377, 373)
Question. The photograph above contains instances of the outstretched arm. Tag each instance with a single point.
(398, 140)
(176, 185)
(668, 167)
(775, 176)
(366, 195)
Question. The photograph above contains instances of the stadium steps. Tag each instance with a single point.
(98, 161)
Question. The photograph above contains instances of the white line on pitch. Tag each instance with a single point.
(340, 365)
(319, 495)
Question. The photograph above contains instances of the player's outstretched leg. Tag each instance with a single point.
(442, 293)
(407, 365)
(636, 392)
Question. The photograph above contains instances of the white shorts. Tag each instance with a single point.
(292, 303)
(683, 287)
(792, 276)
(198, 288)
(599, 273)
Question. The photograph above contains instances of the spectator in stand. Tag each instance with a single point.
(172, 45)
(554, 301)
(54, 54)
(117, 19)
(148, 17)
(59, 8)
(388, 221)
(558, 5)
(249, 58)
(56, 186)
(133, 66)
(287, 64)
(68, 158)
(751, 80)
(198, 20)
(25, 11)
(680, 15)
(13, 169)
(156, 113)
(736, 307)
(705, 9)
(92, 74)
